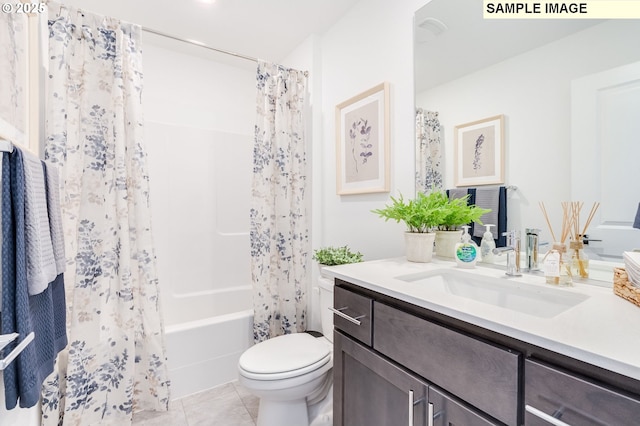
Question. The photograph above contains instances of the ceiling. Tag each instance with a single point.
(470, 42)
(265, 29)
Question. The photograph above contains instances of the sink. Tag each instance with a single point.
(543, 302)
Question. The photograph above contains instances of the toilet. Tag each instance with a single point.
(288, 373)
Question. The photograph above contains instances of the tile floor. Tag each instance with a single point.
(226, 405)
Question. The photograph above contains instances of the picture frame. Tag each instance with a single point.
(479, 152)
(362, 142)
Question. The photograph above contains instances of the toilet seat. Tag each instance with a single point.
(284, 357)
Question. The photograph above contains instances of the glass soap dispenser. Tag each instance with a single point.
(487, 245)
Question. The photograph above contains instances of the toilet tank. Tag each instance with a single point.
(326, 301)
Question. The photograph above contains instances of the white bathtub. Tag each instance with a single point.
(205, 337)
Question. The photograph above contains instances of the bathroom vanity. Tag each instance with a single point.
(428, 344)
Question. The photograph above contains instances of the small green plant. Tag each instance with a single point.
(426, 213)
(336, 256)
(457, 213)
(420, 214)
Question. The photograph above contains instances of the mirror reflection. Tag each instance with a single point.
(569, 91)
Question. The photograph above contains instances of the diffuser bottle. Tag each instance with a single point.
(466, 251)
(557, 268)
(579, 260)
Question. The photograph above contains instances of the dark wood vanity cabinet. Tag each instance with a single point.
(384, 375)
(397, 364)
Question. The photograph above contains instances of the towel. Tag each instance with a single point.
(457, 193)
(41, 264)
(488, 198)
(21, 376)
(55, 216)
(56, 299)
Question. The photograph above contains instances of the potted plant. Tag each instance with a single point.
(454, 214)
(330, 256)
(426, 216)
(421, 215)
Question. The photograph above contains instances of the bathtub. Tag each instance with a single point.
(205, 335)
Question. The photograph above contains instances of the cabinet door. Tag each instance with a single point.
(371, 391)
(553, 396)
(448, 412)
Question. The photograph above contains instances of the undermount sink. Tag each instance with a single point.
(543, 302)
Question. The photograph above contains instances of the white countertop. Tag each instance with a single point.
(603, 330)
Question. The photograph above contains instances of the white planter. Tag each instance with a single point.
(446, 243)
(419, 246)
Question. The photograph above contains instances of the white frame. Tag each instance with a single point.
(471, 168)
(373, 106)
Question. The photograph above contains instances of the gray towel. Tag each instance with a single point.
(457, 193)
(55, 216)
(488, 198)
(41, 265)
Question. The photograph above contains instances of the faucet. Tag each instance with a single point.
(513, 253)
(532, 249)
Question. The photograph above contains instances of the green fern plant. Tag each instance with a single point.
(429, 212)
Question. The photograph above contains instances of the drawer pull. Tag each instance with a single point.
(544, 416)
(410, 408)
(345, 316)
(430, 414)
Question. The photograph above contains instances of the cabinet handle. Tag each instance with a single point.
(345, 316)
(544, 416)
(411, 404)
(430, 414)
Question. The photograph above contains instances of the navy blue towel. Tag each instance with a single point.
(501, 226)
(21, 376)
(43, 313)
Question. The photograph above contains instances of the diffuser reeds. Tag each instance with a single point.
(572, 228)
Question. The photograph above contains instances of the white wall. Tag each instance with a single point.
(199, 120)
(372, 43)
(532, 90)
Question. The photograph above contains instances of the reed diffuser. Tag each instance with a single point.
(557, 268)
(579, 260)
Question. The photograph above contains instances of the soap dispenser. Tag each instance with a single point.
(487, 245)
(466, 252)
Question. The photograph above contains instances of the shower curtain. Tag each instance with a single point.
(279, 229)
(115, 361)
(428, 152)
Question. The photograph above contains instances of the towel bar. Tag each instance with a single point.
(16, 351)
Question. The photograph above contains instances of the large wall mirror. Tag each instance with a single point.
(569, 91)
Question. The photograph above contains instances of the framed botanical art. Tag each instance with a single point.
(479, 152)
(362, 142)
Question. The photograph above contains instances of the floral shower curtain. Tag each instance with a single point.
(115, 362)
(279, 229)
(428, 152)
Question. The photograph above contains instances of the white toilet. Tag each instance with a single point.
(290, 372)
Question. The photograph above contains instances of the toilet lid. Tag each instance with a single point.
(287, 353)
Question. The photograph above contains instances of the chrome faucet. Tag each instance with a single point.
(533, 244)
(513, 253)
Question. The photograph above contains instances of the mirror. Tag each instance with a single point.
(538, 74)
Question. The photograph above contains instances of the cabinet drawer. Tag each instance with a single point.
(484, 375)
(573, 400)
(356, 307)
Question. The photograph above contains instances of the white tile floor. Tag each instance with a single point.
(226, 405)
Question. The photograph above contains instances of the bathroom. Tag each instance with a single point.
(370, 42)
